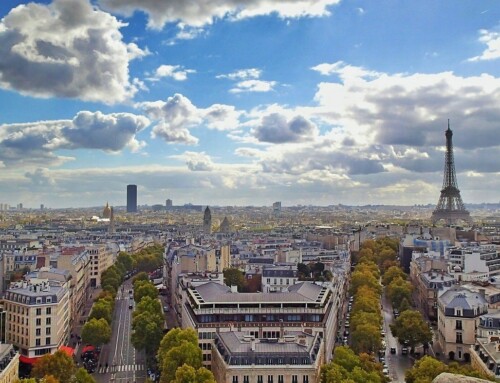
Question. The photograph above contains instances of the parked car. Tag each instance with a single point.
(393, 350)
(404, 350)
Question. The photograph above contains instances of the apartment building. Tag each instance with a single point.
(77, 261)
(294, 357)
(278, 278)
(213, 308)
(9, 364)
(459, 310)
(37, 316)
(102, 257)
(485, 353)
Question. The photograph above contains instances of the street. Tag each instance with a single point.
(397, 363)
(119, 362)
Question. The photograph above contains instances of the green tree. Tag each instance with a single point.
(234, 277)
(59, 365)
(147, 332)
(144, 289)
(82, 376)
(126, 260)
(186, 353)
(411, 326)
(150, 306)
(188, 374)
(142, 276)
(425, 370)
(96, 332)
(102, 309)
(361, 278)
(175, 337)
(303, 271)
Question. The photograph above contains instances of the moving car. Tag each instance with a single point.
(393, 350)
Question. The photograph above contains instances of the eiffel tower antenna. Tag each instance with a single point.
(450, 206)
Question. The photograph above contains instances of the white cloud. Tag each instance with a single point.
(242, 74)
(492, 41)
(196, 161)
(178, 115)
(177, 72)
(275, 128)
(206, 11)
(36, 142)
(66, 49)
(253, 86)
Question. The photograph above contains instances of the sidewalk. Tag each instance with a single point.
(79, 321)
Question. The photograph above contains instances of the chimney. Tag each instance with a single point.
(234, 288)
(482, 292)
(252, 344)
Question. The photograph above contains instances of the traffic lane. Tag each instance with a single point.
(397, 363)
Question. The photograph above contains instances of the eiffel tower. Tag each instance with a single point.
(450, 206)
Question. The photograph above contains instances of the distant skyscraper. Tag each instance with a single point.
(168, 203)
(131, 198)
(207, 221)
(277, 207)
(41, 206)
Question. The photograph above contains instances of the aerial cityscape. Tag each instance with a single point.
(219, 191)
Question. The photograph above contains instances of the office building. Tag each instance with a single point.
(168, 204)
(131, 198)
(9, 364)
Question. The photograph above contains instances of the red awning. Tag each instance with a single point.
(25, 359)
(88, 348)
(68, 350)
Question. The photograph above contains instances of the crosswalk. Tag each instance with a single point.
(121, 368)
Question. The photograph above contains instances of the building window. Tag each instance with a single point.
(38, 322)
(269, 379)
(235, 378)
(280, 378)
(47, 321)
(49, 310)
(246, 379)
(38, 311)
(47, 340)
(295, 379)
(459, 337)
(38, 332)
(260, 379)
(459, 324)
(47, 331)
(37, 341)
(305, 379)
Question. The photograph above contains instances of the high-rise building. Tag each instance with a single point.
(168, 203)
(207, 221)
(131, 198)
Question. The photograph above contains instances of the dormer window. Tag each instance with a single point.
(38, 300)
(458, 311)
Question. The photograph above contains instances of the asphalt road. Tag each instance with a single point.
(124, 363)
(397, 363)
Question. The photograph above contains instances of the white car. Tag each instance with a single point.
(385, 371)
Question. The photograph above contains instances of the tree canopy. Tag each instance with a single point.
(410, 326)
(59, 365)
(96, 332)
(234, 277)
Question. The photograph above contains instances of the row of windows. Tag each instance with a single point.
(18, 329)
(260, 318)
(38, 341)
(270, 379)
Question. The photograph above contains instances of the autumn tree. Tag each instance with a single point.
(96, 332)
(427, 368)
(391, 274)
(60, 365)
(82, 376)
(362, 317)
(410, 326)
(398, 290)
(366, 338)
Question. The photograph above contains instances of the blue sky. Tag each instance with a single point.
(247, 102)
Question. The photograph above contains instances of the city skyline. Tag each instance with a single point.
(320, 102)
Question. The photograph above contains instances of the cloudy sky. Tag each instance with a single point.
(247, 102)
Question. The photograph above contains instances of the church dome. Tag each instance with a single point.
(106, 213)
